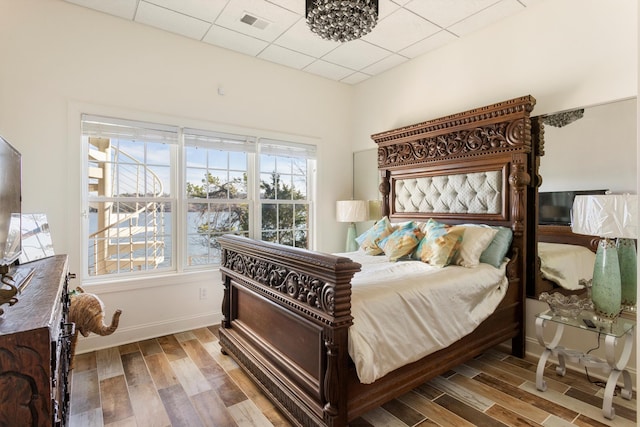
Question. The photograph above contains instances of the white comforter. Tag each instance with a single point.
(406, 310)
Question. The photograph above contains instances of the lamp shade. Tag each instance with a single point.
(352, 210)
(607, 215)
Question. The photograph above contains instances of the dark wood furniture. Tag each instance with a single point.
(34, 349)
(287, 311)
(559, 234)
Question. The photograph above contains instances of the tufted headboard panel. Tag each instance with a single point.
(477, 192)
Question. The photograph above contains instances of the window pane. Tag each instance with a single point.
(206, 222)
(269, 217)
(196, 157)
(301, 240)
(283, 165)
(299, 188)
(268, 186)
(285, 217)
(218, 159)
(302, 215)
(128, 236)
(267, 163)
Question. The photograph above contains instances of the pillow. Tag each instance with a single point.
(498, 248)
(379, 231)
(566, 264)
(476, 240)
(402, 241)
(440, 244)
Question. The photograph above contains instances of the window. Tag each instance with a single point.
(157, 197)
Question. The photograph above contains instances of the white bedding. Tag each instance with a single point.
(406, 310)
(566, 264)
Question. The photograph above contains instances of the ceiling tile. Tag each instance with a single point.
(206, 10)
(122, 8)
(486, 17)
(296, 6)
(387, 7)
(441, 13)
(235, 41)
(355, 78)
(385, 64)
(168, 20)
(301, 39)
(356, 54)
(286, 57)
(277, 18)
(423, 46)
(414, 28)
(330, 71)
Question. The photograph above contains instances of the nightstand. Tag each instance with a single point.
(621, 328)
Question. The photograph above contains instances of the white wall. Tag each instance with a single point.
(605, 131)
(566, 53)
(59, 59)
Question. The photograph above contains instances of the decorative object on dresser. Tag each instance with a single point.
(87, 313)
(35, 344)
(352, 211)
(288, 313)
(609, 216)
(341, 20)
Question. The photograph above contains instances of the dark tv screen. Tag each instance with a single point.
(10, 203)
(554, 207)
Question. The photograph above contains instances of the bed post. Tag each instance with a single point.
(519, 180)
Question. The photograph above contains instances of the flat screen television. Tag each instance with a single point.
(10, 204)
(554, 207)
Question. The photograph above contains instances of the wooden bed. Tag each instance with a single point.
(287, 311)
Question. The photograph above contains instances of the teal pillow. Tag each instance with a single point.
(440, 243)
(401, 242)
(498, 248)
(379, 231)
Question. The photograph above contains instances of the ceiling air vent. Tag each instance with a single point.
(254, 21)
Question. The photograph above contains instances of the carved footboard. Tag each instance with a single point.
(286, 317)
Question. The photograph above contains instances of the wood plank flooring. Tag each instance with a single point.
(184, 380)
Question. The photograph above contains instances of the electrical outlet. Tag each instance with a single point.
(204, 293)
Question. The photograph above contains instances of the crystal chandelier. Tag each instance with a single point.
(341, 20)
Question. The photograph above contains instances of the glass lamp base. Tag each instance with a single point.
(606, 290)
(627, 258)
(351, 245)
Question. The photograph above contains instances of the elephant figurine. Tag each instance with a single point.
(87, 312)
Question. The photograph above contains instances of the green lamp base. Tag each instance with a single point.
(351, 245)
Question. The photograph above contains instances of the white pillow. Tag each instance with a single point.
(566, 264)
(475, 240)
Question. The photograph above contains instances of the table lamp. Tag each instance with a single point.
(352, 211)
(610, 216)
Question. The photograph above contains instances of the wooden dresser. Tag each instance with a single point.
(35, 349)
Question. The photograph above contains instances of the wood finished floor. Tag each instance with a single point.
(184, 380)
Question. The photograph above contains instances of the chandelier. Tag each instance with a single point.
(341, 20)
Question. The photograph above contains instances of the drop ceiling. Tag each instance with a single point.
(276, 31)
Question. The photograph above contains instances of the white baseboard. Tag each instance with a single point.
(145, 331)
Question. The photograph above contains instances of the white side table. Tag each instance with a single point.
(621, 328)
